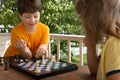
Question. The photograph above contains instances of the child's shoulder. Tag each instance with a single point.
(18, 27)
(113, 40)
(42, 25)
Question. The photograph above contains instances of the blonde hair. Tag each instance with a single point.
(99, 17)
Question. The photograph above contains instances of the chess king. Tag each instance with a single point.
(30, 37)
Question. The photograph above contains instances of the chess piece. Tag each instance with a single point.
(21, 60)
(16, 58)
(6, 64)
(53, 59)
(37, 70)
(43, 59)
(26, 60)
(1, 61)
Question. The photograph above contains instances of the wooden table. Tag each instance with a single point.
(81, 74)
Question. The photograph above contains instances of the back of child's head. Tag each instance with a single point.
(29, 6)
(89, 12)
(111, 17)
(100, 18)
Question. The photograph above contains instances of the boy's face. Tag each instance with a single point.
(30, 19)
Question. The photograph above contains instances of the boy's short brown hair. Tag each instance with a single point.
(29, 6)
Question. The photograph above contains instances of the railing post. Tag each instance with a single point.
(58, 50)
(69, 51)
(81, 52)
(97, 49)
(49, 50)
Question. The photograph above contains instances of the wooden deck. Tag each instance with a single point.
(81, 74)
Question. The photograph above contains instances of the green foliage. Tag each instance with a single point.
(61, 17)
(8, 15)
(76, 59)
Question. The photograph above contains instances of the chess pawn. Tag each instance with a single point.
(37, 70)
(43, 60)
(53, 59)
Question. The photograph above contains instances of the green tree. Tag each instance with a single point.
(8, 15)
(61, 17)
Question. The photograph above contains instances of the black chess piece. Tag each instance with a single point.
(6, 62)
(6, 66)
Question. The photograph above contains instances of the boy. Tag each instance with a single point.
(31, 37)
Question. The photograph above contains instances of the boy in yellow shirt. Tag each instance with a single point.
(30, 38)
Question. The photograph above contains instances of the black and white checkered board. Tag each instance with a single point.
(50, 68)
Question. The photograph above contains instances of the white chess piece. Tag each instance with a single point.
(37, 70)
(43, 59)
(53, 59)
(1, 61)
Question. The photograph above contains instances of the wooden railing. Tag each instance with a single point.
(4, 42)
(6, 36)
(68, 38)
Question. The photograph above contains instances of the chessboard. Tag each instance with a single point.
(39, 69)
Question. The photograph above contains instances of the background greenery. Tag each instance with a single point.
(59, 15)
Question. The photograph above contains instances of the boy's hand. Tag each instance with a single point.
(41, 50)
(21, 45)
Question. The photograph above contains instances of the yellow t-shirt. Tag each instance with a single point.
(40, 36)
(110, 59)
